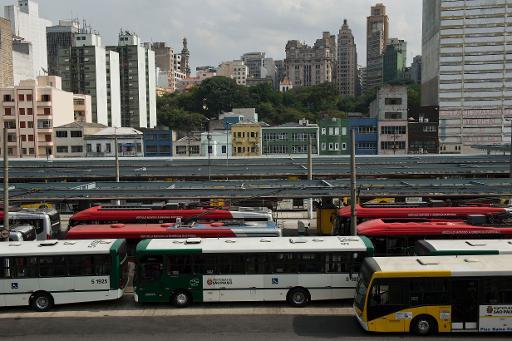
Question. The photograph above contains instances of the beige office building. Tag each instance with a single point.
(377, 36)
(6, 75)
(30, 111)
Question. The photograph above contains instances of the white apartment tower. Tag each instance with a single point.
(466, 70)
(27, 26)
(138, 82)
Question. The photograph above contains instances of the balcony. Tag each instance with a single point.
(9, 104)
(44, 103)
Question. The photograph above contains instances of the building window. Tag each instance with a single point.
(44, 124)
(30, 111)
(29, 98)
(10, 124)
(48, 138)
(11, 137)
(336, 146)
(31, 138)
(343, 146)
(393, 130)
(336, 131)
(224, 149)
(344, 131)
(331, 146)
(23, 124)
(393, 115)
(62, 149)
(108, 148)
(21, 97)
(77, 149)
(331, 131)
(367, 130)
(31, 151)
(430, 129)
(98, 148)
(8, 111)
(45, 98)
(23, 138)
(76, 133)
(89, 148)
(22, 111)
(30, 124)
(47, 111)
(392, 145)
(393, 101)
(323, 146)
(61, 134)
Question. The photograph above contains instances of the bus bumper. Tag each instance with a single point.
(363, 324)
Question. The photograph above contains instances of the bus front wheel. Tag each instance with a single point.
(41, 301)
(423, 325)
(298, 297)
(181, 299)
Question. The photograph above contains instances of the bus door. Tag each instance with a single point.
(184, 273)
(464, 304)
(150, 273)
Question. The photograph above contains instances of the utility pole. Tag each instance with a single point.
(310, 175)
(209, 137)
(5, 232)
(353, 185)
(116, 154)
(510, 161)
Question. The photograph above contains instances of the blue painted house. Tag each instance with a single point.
(366, 130)
(157, 142)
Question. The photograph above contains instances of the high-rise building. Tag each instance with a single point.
(281, 70)
(346, 66)
(138, 83)
(260, 68)
(362, 79)
(377, 33)
(61, 36)
(113, 89)
(254, 62)
(28, 26)
(235, 69)
(394, 60)
(311, 65)
(415, 71)
(6, 75)
(164, 62)
(466, 71)
(83, 68)
(30, 111)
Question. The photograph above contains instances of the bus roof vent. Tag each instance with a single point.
(298, 240)
(230, 241)
(318, 240)
(15, 244)
(49, 243)
(471, 260)
(427, 262)
(193, 241)
(471, 243)
(69, 242)
(264, 240)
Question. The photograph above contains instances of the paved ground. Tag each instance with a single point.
(124, 320)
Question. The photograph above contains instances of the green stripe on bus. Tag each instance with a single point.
(117, 244)
(369, 245)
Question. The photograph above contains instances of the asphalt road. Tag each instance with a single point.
(126, 321)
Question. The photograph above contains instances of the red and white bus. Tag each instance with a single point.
(134, 233)
(395, 237)
(494, 215)
(148, 215)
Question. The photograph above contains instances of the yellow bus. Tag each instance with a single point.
(426, 295)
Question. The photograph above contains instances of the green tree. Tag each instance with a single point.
(218, 94)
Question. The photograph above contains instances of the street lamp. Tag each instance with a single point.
(209, 138)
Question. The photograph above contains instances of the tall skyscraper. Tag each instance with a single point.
(311, 65)
(26, 25)
(138, 83)
(346, 66)
(394, 60)
(466, 71)
(415, 72)
(61, 36)
(83, 69)
(377, 35)
(6, 75)
(254, 62)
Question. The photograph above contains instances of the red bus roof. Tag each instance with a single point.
(149, 231)
(419, 212)
(381, 228)
(106, 214)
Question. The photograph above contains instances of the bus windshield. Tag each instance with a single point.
(362, 286)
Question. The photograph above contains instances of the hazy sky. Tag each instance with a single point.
(219, 30)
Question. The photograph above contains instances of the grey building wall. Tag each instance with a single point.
(430, 53)
(6, 67)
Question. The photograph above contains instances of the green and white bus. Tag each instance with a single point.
(44, 273)
(444, 247)
(297, 270)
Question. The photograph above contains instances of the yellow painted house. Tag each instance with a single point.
(246, 139)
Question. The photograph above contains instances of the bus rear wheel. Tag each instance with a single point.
(423, 325)
(298, 297)
(181, 299)
(41, 302)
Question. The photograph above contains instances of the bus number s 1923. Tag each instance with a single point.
(99, 281)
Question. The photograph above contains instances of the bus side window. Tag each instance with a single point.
(5, 271)
(179, 264)
(102, 265)
(81, 265)
(26, 267)
(152, 267)
(497, 290)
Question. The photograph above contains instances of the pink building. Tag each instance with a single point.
(31, 110)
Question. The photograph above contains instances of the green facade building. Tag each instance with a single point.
(334, 136)
(290, 139)
(395, 60)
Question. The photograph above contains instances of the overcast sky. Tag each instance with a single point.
(219, 30)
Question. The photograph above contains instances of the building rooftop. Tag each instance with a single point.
(82, 125)
(110, 131)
